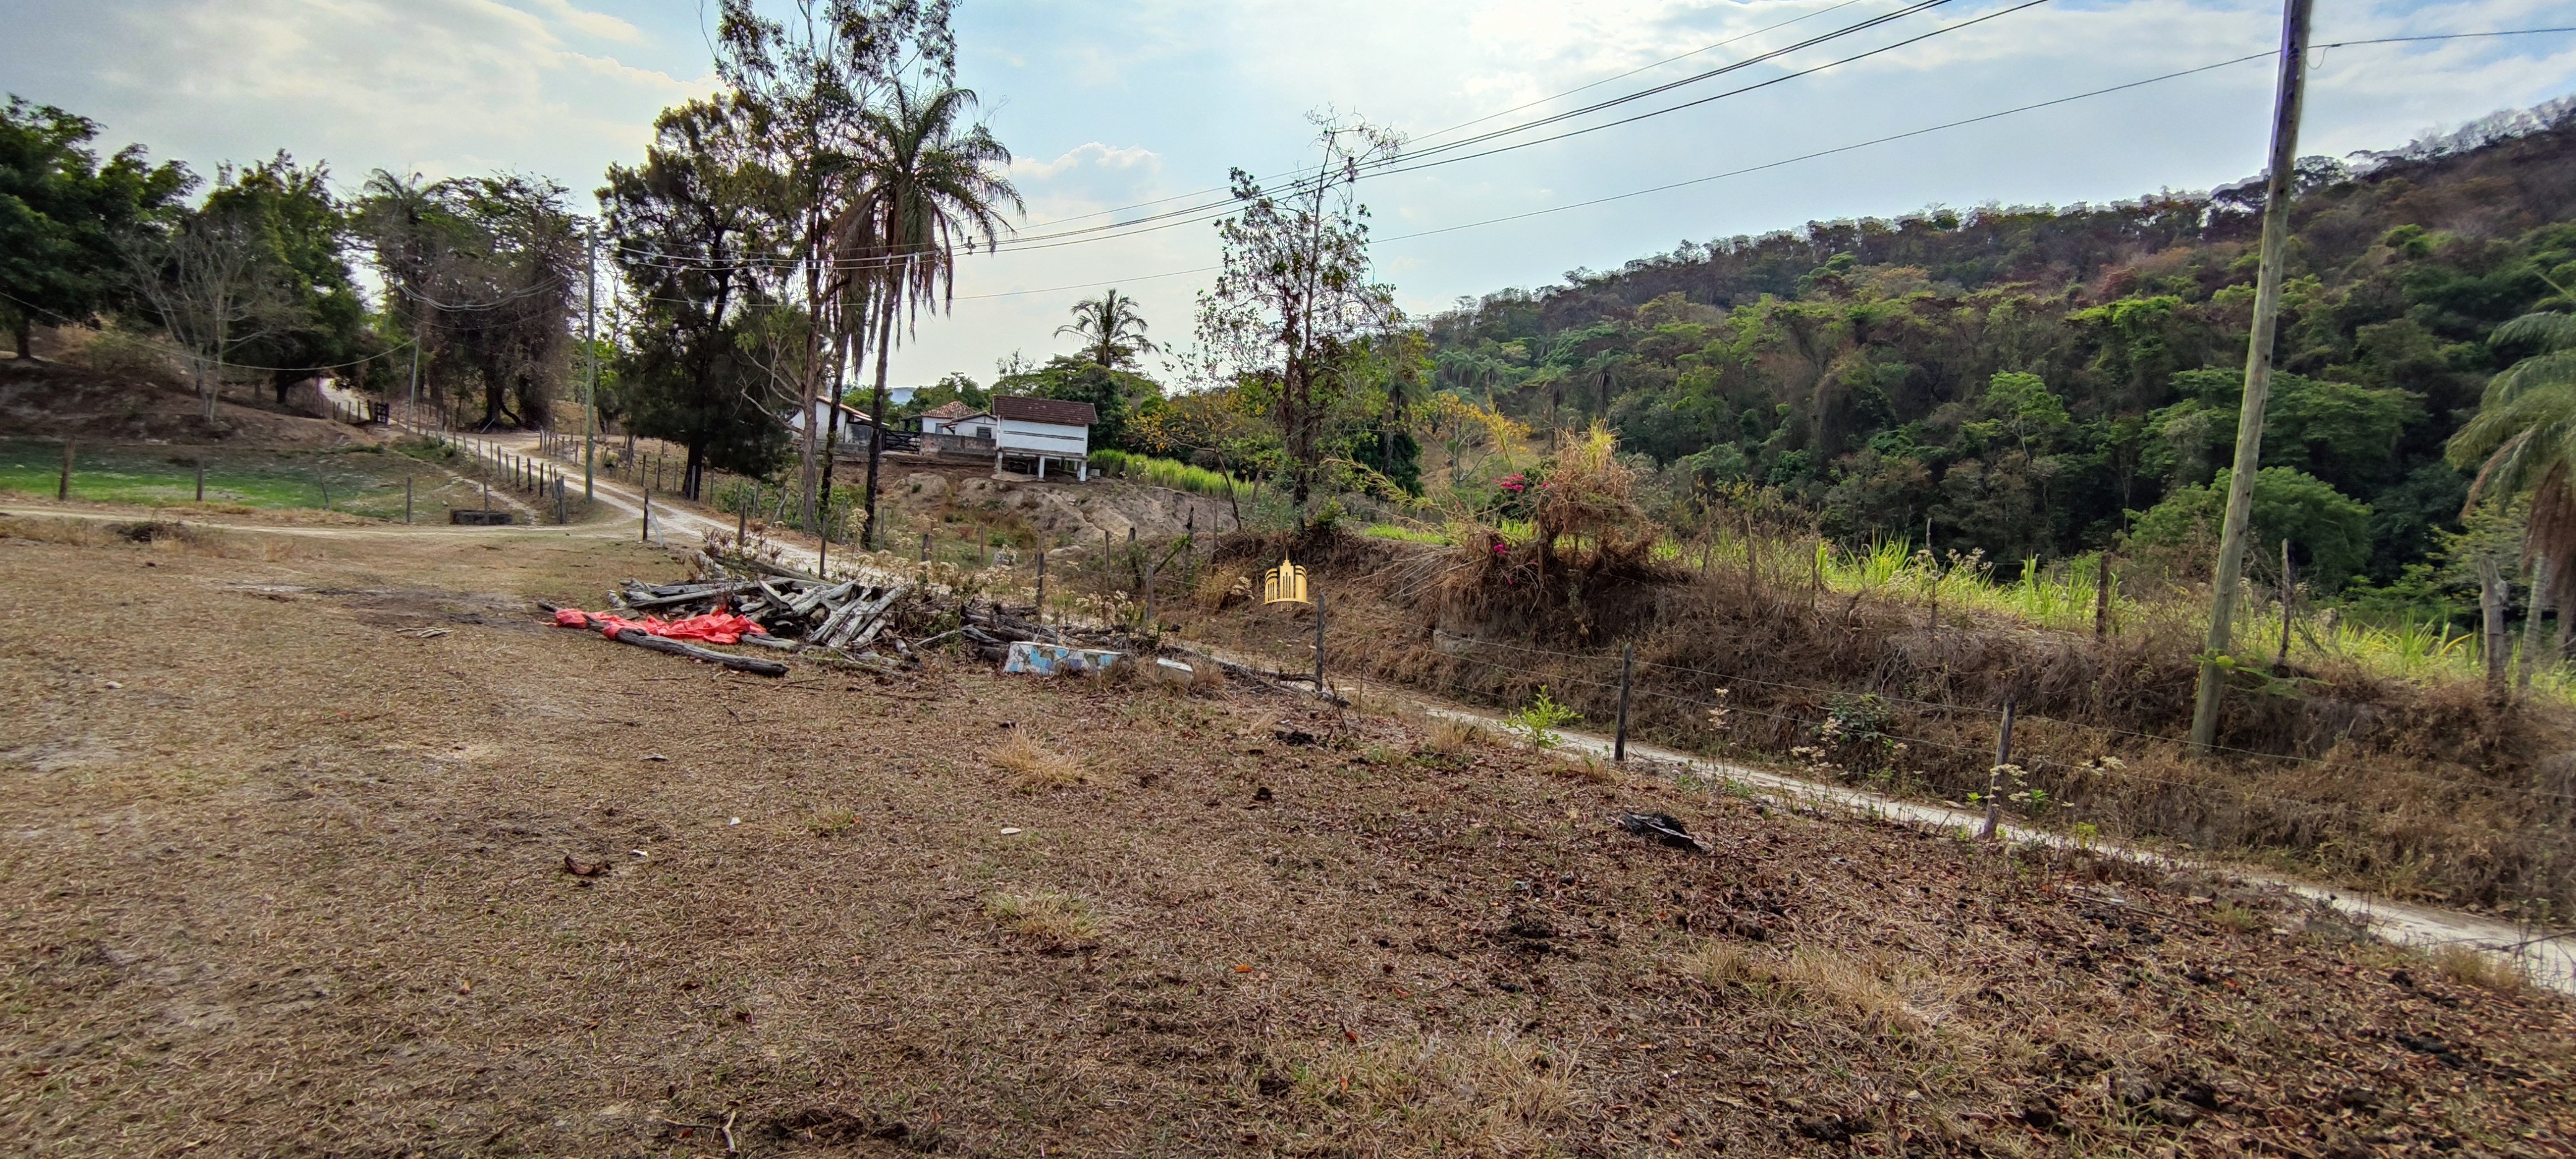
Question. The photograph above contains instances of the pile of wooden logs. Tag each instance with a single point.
(990, 631)
(799, 612)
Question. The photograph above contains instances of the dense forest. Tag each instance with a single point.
(2036, 382)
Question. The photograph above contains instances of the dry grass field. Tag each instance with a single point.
(323, 844)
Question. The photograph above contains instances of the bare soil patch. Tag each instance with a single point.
(337, 850)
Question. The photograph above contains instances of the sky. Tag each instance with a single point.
(1108, 105)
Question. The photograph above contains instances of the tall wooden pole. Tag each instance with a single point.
(2258, 371)
(590, 354)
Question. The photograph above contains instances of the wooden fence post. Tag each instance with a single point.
(201, 474)
(201, 480)
(63, 487)
(1319, 645)
(1627, 662)
(1039, 615)
(1995, 775)
(2102, 595)
(2531, 621)
(2289, 595)
(647, 536)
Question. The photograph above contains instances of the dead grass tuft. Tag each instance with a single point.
(1059, 920)
(832, 822)
(1594, 770)
(1451, 736)
(1719, 964)
(1034, 767)
(1485, 1094)
(1896, 997)
(2230, 915)
(2469, 966)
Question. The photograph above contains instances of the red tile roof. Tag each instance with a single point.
(950, 410)
(1053, 411)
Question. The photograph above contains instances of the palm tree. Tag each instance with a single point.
(1111, 330)
(2524, 436)
(930, 183)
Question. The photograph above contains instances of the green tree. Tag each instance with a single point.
(1111, 330)
(690, 227)
(934, 184)
(63, 213)
(1294, 293)
(302, 232)
(2330, 529)
(2523, 438)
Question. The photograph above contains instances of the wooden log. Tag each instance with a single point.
(753, 665)
(870, 616)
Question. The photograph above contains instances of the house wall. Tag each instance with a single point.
(1045, 438)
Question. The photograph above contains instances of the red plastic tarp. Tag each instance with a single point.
(714, 627)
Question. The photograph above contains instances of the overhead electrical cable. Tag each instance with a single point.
(1211, 210)
(1822, 153)
(1415, 162)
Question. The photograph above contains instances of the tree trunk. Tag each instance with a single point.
(876, 415)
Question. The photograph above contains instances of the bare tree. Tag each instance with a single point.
(210, 285)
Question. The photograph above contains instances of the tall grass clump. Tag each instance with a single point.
(1172, 473)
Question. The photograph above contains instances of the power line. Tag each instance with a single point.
(1888, 139)
(1210, 210)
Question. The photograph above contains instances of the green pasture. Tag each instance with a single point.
(365, 481)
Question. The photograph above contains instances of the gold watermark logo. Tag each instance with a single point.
(1284, 584)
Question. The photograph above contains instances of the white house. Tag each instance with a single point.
(852, 422)
(1042, 429)
(959, 420)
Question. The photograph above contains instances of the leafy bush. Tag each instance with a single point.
(1537, 722)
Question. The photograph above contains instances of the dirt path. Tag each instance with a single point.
(2548, 958)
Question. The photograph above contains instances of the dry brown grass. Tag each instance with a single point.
(1032, 767)
(1591, 769)
(1492, 1093)
(2469, 966)
(303, 889)
(1057, 920)
(1450, 736)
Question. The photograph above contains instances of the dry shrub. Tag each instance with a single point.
(2470, 966)
(1033, 767)
(1588, 571)
(1487, 1094)
(1451, 736)
(1058, 920)
(1220, 586)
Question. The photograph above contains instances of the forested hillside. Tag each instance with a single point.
(2036, 382)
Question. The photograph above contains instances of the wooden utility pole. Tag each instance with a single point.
(590, 355)
(2258, 371)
